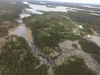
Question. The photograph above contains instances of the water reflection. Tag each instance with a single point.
(20, 31)
(95, 14)
(35, 7)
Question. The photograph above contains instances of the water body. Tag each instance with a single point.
(20, 31)
(35, 8)
(90, 6)
(42, 3)
(95, 14)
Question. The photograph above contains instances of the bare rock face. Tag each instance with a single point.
(14, 39)
(2, 42)
(32, 20)
(43, 60)
(22, 55)
(6, 22)
(99, 73)
(60, 62)
(67, 50)
(50, 71)
(54, 55)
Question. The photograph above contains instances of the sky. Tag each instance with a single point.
(82, 1)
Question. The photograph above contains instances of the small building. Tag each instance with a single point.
(73, 31)
(88, 36)
(80, 26)
(83, 33)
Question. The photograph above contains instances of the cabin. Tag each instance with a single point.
(80, 27)
(83, 33)
(88, 36)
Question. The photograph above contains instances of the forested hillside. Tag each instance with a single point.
(48, 32)
(9, 12)
(16, 59)
(92, 48)
(73, 65)
(86, 19)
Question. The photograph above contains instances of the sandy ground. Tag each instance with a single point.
(29, 33)
(10, 31)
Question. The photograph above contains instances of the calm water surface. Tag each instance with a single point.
(35, 7)
(20, 31)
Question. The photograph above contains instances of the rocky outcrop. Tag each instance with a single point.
(2, 42)
(50, 71)
(53, 56)
(42, 60)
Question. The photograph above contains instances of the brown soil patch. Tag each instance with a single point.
(10, 31)
(29, 33)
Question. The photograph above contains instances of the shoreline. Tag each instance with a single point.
(29, 32)
(10, 34)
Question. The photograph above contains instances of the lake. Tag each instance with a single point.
(20, 31)
(34, 8)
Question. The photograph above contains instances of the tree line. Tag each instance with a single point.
(17, 59)
(47, 34)
(73, 65)
(92, 48)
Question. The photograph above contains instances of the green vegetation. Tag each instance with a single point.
(8, 13)
(71, 26)
(74, 65)
(48, 32)
(92, 48)
(87, 29)
(3, 31)
(86, 19)
(17, 59)
(75, 45)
